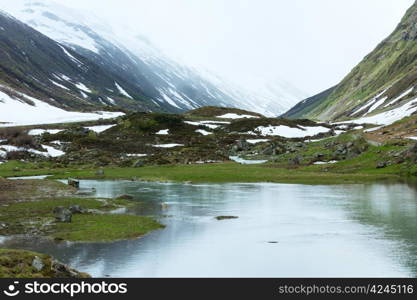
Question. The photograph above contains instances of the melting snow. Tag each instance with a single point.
(163, 132)
(79, 63)
(122, 91)
(325, 162)
(246, 161)
(168, 145)
(391, 116)
(236, 116)
(111, 100)
(377, 104)
(136, 155)
(100, 128)
(209, 124)
(400, 97)
(84, 95)
(51, 152)
(257, 141)
(60, 85)
(290, 132)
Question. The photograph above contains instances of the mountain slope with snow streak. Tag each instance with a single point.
(382, 85)
(145, 74)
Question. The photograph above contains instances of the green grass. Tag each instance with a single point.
(231, 172)
(24, 217)
(18, 264)
(105, 228)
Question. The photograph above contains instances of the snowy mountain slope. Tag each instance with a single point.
(22, 110)
(145, 72)
(36, 65)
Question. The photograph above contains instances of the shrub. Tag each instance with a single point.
(17, 137)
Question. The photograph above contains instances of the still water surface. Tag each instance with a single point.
(282, 231)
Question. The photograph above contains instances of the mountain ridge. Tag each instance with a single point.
(373, 86)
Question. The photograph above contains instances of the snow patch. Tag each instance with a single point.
(325, 162)
(399, 97)
(203, 132)
(82, 87)
(246, 161)
(257, 141)
(163, 132)
(100, 128)
(136, 155)
(60, 85)
(391, 116)
(122, 91)
(18, 113)
(168, 145)
(236, 116)
(42, 131)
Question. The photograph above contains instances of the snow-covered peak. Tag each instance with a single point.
(56, 21)
(166, 80)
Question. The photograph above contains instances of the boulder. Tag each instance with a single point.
(62, 215)
(73, 182)
(125, 197)
(38, 264)
(381, 165)
(76, 209)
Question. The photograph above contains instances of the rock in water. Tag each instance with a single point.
(73, 182)
(125, 197)
(62, 214)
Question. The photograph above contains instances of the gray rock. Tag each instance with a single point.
(318, 155)
(296, 160)
(381, 165)
(62, 214)
(138, 164)
(76, 209)
(63, 271)
(73, 182)
(38, 264)
(100, 172)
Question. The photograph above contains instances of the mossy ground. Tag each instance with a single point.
(18, 264)
(21, 215)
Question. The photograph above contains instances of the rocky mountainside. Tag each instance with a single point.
(100, 66)
(381, 89)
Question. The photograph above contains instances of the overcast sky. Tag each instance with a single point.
(310, 43)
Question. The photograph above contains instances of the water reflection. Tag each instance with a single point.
(352, 230)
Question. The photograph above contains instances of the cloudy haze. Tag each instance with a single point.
(310, 43)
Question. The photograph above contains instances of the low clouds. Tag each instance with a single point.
(310, 43)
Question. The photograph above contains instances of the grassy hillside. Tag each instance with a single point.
(391, 65)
